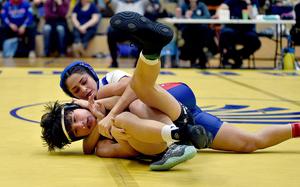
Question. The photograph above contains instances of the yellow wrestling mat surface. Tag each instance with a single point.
(250, 99)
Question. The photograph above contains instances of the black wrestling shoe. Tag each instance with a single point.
(151, 36)
(184, 118)
(198, 136)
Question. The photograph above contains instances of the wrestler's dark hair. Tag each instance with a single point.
(52, 133)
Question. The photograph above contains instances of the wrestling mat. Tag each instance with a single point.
(248, 99)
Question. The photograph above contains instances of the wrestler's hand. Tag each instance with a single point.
(104, 126)
(119, 134)
(81, 102)
(97, 109)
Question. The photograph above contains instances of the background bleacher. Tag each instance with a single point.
(98, 44)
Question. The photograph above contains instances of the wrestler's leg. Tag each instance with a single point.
(151, 37)
(147, 148)
(231, 138)
(140, 109)
(110, 149)
(140, 146)
(143, 84)
(148, 131)
(149, 137)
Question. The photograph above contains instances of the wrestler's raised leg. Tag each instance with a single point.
(152, 37)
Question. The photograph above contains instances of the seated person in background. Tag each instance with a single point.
(233, 34)
(1, 38)
(104, 10)
(85, 19)
(115, 36)
(196, 36)
(295, 31)
(55, 26)
(18, 23)
(155, 10)
(38, 11)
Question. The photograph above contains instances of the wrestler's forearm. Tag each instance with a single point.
(109, 102)
(128, 97)
(113, 89)
(91, 141)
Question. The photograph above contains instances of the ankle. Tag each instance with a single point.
(151, 54)
(148, 60)
(170, 134)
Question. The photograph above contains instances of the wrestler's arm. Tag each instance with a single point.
(90, 142)
(122, 88)
(114, 89)
(111, 149)
(108, 102)
(123, 102)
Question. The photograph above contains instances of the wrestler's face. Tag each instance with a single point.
(83, 122)
(81, 85)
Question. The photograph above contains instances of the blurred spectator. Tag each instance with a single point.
(38, 11)
(233, 34)
(1, 36)
(212, 5)
(85, 19)
(278, 7)
(56, 26)
(104, 10)
(196, 36)
(154, 10)
(295, 31)
(72, 5)
(17, 20)
(114, 36)
(1, 4)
